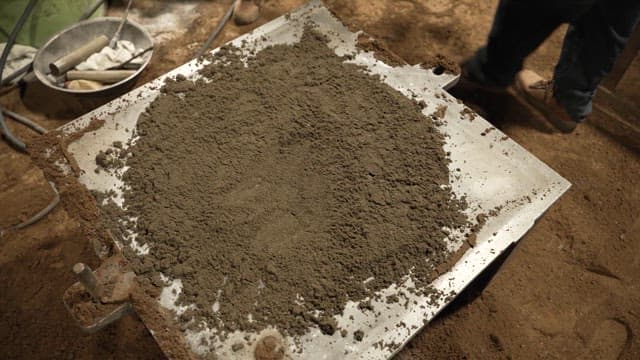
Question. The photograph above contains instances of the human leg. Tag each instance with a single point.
(591, 46)
(519, 27)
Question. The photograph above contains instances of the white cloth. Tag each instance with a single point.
(19, 56)
(108, 57)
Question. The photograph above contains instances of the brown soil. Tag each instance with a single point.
(269, 194)
(380, 50)
(86, 309)
(569, 289)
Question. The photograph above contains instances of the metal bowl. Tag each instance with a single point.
(62, 102)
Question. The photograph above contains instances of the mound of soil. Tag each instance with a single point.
(276, 189)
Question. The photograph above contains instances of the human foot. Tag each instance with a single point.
(539, 93)
(471, 73)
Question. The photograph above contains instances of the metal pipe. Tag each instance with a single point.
(218, 29)
(67, 62)
(124, 64)
(88, 279)
(116, 36)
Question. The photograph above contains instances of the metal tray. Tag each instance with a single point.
(494, 171)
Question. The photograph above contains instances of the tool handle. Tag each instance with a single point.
(103, 76)
(114, 40)
(77, 56)
(88, 279)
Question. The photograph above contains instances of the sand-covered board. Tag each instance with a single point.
(489, 170)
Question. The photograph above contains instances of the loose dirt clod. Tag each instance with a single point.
(379, 49)
(112, 158)
(276, 189)
(468, 113)
(269, 348)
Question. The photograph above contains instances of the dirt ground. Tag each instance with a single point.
(569, 289)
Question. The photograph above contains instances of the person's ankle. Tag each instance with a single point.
(542, 94)
(560, 109)
(576, 115)
(563, 120)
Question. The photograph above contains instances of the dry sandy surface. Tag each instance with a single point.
(568, 290)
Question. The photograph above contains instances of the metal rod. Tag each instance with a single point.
(16, 74)
(116, 36)
(115, 67)
(88, 279)
(218, 29)
(77, 56)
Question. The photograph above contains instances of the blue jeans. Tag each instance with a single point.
(598, 31)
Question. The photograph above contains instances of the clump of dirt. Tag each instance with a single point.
(379, 49)
(86, 310)
(269, 348)
(274, 190)
(110, 159)
(114, 158)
